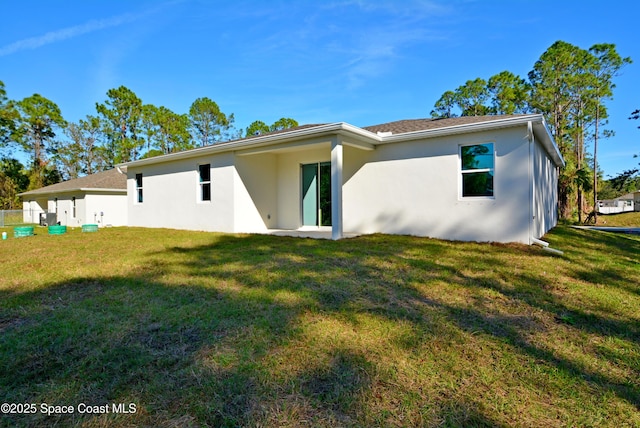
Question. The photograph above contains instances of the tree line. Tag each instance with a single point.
(123, 129)
(570, 86)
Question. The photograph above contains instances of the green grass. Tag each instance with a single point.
(201, 329)
(631, 219)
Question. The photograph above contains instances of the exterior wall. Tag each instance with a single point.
(545, 201)
(105, 209)
(80, 215)
(113, 206)
(255, 193)
(250, 193)
(171, 195)
(415, 188)
(64, 211)
(31, 209)
(398, 188)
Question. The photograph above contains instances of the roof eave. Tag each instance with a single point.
(338, 128)
(538, 122)
(75, 190)
(459, 129)
(349, 131)
(542, 132)
(102, 190)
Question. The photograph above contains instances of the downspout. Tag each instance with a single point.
(532, 189)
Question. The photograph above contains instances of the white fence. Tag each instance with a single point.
(615, 206)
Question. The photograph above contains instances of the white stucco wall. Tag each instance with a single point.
(171, 195)
(64, 211)
(415, 188)
(113, 208)
(255, 193)
(31, 209)
(545, 183)
(80, 217)
(113, 205)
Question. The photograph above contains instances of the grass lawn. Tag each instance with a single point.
(624, 219)
(201, 329)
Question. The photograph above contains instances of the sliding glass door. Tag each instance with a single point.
(316, 194)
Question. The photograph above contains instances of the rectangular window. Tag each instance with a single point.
(139, 188)
(73, 207)
(204, 171)
(477, 170)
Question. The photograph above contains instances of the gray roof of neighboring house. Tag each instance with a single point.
(630, 195)
(626, 197)
(106, 180)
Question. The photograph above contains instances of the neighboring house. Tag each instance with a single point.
(99, 198)
(625, 203)
(487, 178)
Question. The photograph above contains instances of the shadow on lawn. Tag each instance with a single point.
(193, 354)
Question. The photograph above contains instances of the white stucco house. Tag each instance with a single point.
(626, 203)
(99, 198)
(483, 178)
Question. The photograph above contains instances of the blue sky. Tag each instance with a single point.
(362, 62)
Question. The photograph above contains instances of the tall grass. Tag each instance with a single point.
(201, 329)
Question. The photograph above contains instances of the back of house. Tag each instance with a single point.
(484, 178)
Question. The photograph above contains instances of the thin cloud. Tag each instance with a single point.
(66, 33)
(374, 54)
(422, 8)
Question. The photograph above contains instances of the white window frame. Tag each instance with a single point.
(73, 207)
(201, 184)
(462, 172)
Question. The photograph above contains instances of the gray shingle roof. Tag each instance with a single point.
(412, 125)
(409, 125)
(110, 179)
